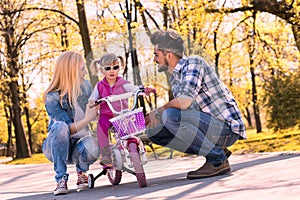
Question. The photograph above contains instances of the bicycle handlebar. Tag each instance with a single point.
(118, 97)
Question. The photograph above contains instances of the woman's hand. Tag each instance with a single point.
(92, 111)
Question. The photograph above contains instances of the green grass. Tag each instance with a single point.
(286, 140)
(267, 141)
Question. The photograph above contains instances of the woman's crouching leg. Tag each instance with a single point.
(85, 153)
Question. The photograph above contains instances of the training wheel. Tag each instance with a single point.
(91, 181)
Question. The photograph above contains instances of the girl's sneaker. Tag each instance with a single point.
(105, 159)
(82, 181)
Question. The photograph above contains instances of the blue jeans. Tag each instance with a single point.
(61, 150)
(193, 132)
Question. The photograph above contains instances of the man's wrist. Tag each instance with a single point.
(157, 114)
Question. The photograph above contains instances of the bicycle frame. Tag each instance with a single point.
(128, 149)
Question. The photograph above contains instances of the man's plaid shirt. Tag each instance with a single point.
(193, 78)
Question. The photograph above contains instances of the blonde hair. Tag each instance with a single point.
(66, 78)
(105, 60)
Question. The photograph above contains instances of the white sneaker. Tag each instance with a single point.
(82, 181)
(61, 187)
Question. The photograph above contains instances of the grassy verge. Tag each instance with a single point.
(287, 140)
(267, 141)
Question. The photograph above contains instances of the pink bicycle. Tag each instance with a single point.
(127, 150)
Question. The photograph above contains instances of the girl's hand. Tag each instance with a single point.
(148, 90)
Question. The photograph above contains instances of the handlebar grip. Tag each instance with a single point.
(118, 97)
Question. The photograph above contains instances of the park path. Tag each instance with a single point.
(260, 176)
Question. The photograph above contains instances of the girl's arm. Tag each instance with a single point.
(128, 87)
(95, 94)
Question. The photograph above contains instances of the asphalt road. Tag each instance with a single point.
(255, 176)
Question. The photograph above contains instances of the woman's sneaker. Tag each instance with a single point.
(82, 181)
(61, 187)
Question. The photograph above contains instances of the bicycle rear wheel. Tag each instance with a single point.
(137, 165)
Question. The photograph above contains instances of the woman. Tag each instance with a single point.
(69, 140)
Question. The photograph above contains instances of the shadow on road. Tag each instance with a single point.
(155, 185)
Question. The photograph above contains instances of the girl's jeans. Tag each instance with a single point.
(61, 150)
(193, 132)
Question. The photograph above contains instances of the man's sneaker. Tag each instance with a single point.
(227, 152)
(61, 187)
(82, 181)
(208, 169)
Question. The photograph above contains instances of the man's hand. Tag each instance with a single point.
(152, 120)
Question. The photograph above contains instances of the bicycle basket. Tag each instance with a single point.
(129, 123)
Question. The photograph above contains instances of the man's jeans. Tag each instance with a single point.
(193, 132)
(61, 150)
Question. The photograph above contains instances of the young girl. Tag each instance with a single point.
(111, 84)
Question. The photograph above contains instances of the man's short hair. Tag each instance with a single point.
(168, 41)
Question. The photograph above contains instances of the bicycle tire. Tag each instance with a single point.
(114, 176)
(136, 162)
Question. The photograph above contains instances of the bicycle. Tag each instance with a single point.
(128, 150)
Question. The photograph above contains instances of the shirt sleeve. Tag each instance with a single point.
(95, 94)
(191, 80)
(56, 111)
(128, 87)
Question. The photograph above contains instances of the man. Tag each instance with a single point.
(203, 118)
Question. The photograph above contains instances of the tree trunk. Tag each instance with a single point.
(254, 100)
(248, 117)
(296, 32)
(22, 147)
(8, 115)
(63, 28)
(134, 58)
(85, 38)
(29, 129)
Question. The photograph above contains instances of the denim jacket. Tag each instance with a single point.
(64, 112)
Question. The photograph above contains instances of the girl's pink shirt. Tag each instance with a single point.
(104, 90)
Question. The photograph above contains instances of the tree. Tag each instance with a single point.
(85, 38)
(17, 29)
(288, 10)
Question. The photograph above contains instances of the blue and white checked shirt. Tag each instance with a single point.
(193, 78)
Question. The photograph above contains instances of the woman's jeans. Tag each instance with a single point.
(61, 150)
(193, 132)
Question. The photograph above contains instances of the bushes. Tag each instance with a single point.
(283, 100)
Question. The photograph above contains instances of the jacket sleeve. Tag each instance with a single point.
(56, 111)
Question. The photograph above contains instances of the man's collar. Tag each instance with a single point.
(180, 63)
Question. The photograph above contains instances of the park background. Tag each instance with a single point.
(252, 44)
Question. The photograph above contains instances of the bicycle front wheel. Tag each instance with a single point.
(114, 176)
(137, 165)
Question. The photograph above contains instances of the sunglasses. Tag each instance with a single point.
(108, 68)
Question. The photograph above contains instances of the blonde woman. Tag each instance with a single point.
(69, 140)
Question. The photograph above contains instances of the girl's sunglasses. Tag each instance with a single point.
(108, 68)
